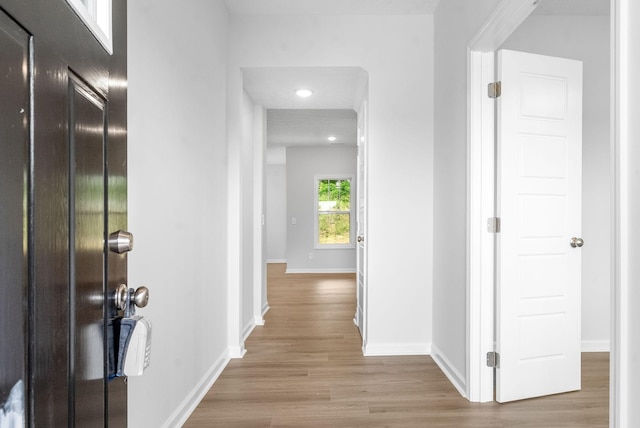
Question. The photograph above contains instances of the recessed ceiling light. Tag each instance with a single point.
(304, 93)
(331, 138)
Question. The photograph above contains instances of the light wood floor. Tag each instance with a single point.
(304, 368)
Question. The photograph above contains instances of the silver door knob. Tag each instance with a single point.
(124, 297)
(141, 297)
(121, 242)
(577, 242)
(360, 239)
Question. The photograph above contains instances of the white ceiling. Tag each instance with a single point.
(331, 7)
(393, 7)
(292, 120)
(311, 127)
(295, 121)
(333, 87)
(572, 7)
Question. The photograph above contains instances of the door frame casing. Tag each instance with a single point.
(481, 192)
(625, 132)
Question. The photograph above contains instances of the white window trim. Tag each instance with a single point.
(99, 22)
(352, 224)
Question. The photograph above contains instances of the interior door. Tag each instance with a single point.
(67, 116)
(538, 300)
(361, 257)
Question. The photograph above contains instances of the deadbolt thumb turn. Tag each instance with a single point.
(577, 242)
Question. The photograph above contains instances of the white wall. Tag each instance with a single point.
(177, 180)
(276, 196)
(397, 52)
(247, 177)
(260, 303)
(585, 38)
(456, 22)
(303, 164)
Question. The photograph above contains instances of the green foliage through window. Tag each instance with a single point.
(334, 211)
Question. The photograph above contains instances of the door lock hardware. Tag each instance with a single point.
(126, 299)
(121, 242)
(577, 242)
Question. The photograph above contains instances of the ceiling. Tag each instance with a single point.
(337, 90)
(572, 7)
(394, 7)
(292, 120)
(332, 7)
(333, 87)
(311, 127)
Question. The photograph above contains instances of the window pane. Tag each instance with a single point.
(334, 195)
(333, 228)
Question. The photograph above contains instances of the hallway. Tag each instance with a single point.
(304, 368)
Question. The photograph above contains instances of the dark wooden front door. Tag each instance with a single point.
(63, 190)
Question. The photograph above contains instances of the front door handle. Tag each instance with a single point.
(125, 297)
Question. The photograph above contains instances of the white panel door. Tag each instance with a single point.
(360, 316)
(538, 300)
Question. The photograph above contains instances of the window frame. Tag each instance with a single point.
(97, 16)
(316, 212)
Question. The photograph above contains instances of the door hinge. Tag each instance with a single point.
(495, 89)
(493, 360)
(493, 225)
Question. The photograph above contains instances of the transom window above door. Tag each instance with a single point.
(96, 15)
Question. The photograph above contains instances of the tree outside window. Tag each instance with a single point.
(333, 207)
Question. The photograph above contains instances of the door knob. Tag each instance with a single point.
(121, 242)
(125, 297)
(577, 242)
(360, 238)
(141, 297)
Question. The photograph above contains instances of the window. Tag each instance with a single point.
(334, 220)
(96, 14)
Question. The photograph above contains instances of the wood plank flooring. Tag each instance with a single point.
(304, 368)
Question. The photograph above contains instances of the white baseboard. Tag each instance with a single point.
(391, 349)
(596, 346)
(248, 329)
(265, 309)
(454, 376)
(237, 351)
(276, 260)
(338, 270)
(191, 401)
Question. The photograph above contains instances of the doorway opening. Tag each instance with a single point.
(507, 28)
(313, 135)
